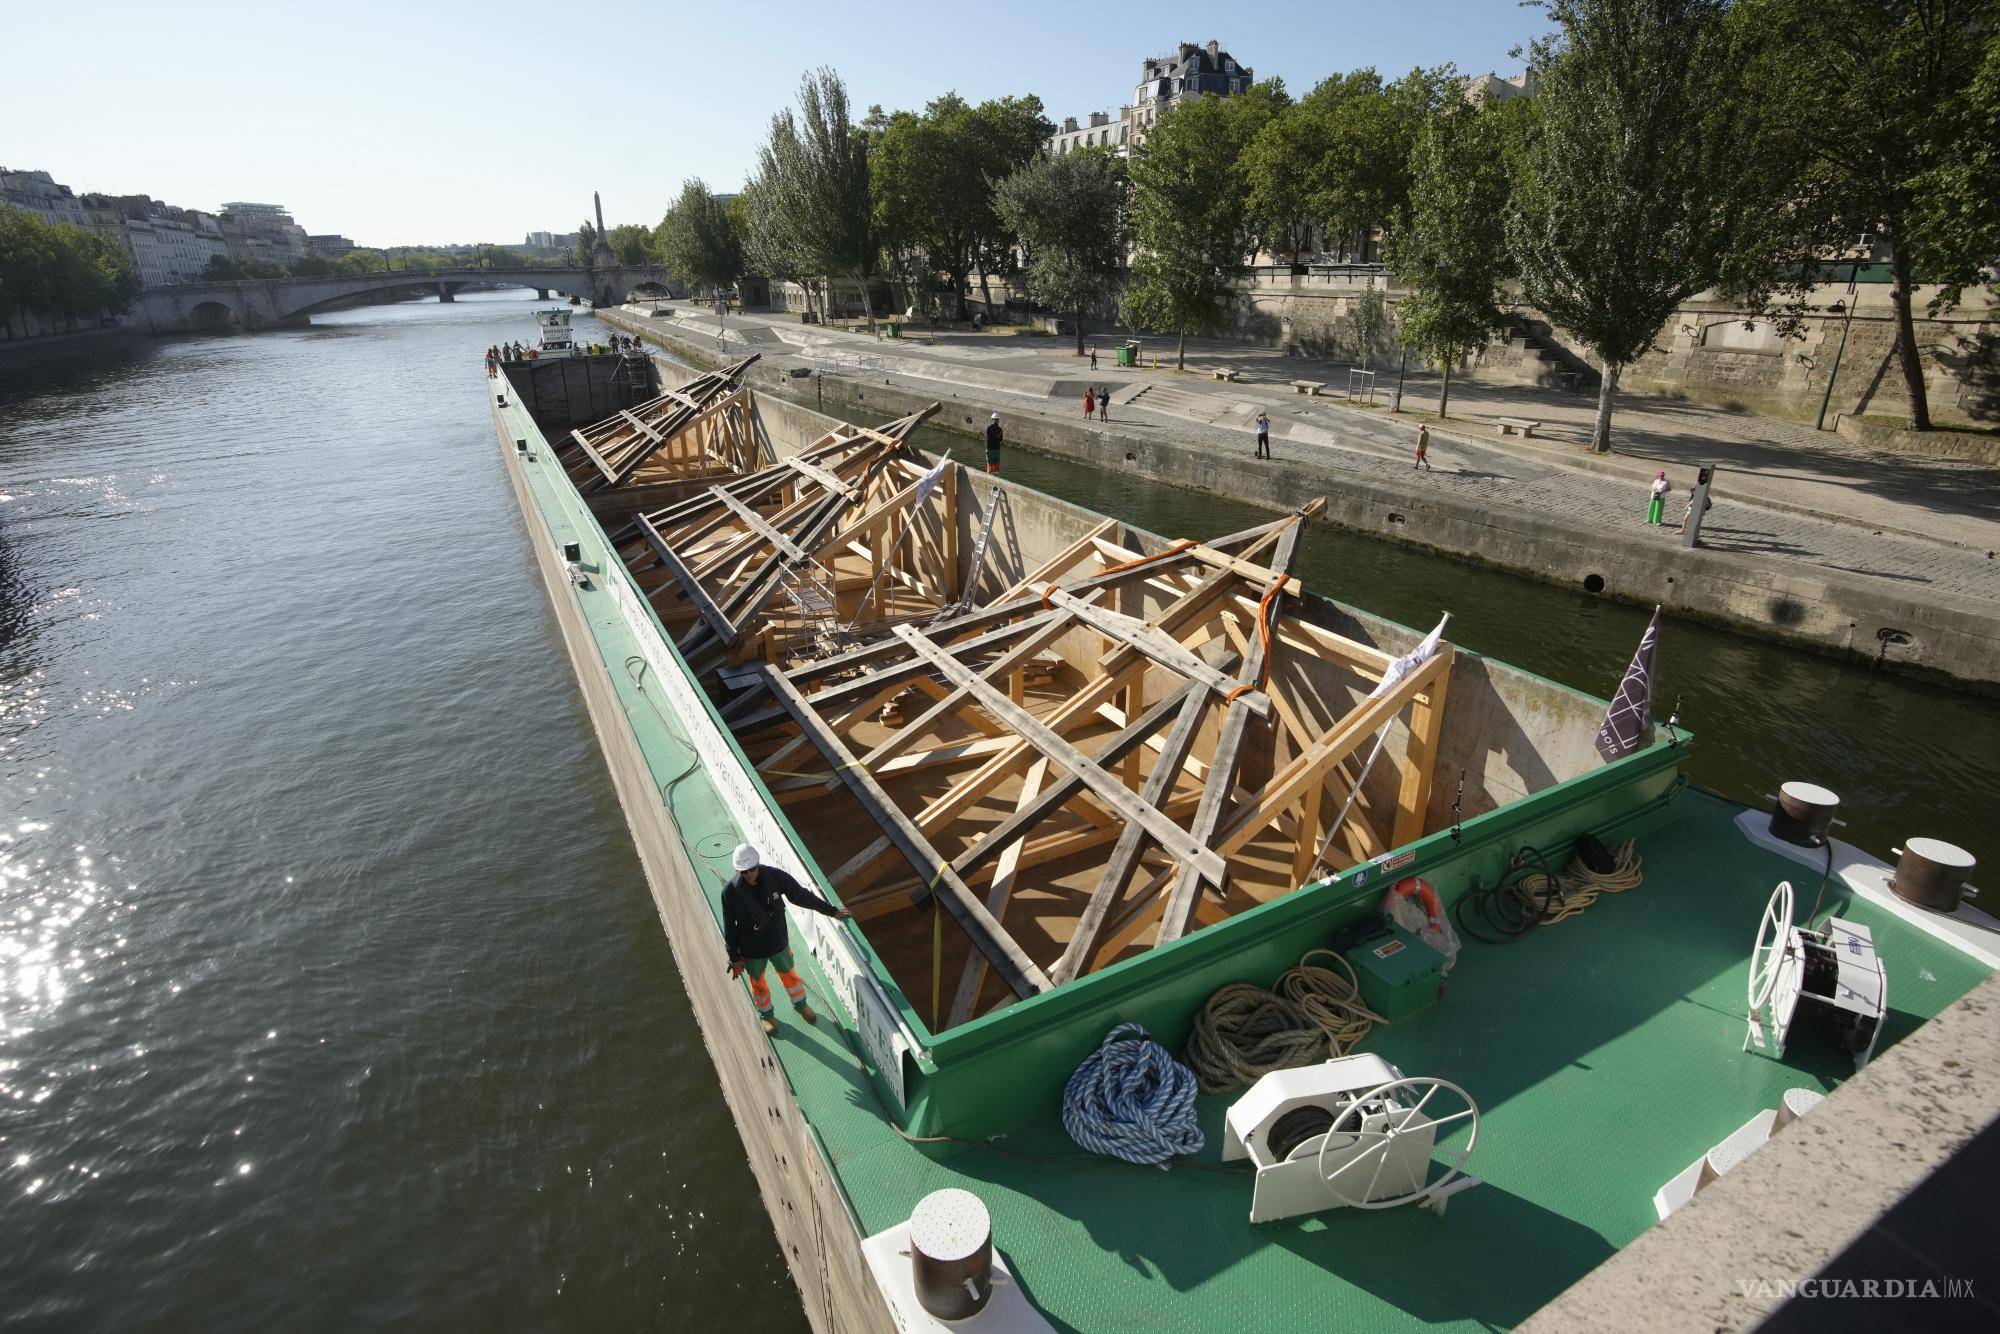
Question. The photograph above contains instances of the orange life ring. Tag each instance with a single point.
(1411, 887)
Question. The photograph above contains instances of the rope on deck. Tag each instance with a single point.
(1244, 1032)
(1130, 1099)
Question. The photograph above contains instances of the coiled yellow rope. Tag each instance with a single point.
(1244, 1032)
(1577, 886)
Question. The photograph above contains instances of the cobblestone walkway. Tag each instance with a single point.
(1788, 494)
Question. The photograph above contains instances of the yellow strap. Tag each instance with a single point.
(821, 776)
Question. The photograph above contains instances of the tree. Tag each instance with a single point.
(929, 191)
(815, 167)
(1869, 123)
(1069, 212)
(1450, 248)
(1011, 132)
(586, 244)
(1629, 191)
(312, 266)
(631, 243)
(1368, 318)
(698, 241)
(222, 269)
(1187, 219)
(58, 271)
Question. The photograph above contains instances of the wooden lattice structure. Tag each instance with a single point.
(706, 428)
(1112, 752)
(830, 546)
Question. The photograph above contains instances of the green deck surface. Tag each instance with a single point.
(1604, 1053)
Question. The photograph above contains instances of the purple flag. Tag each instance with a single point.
(1631, 711)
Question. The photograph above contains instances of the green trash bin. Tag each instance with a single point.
(1128, 354)
(895, 331)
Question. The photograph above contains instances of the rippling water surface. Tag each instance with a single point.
(330, 992)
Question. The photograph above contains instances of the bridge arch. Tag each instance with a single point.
(212, 317)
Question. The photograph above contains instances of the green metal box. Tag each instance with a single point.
(1399, 974)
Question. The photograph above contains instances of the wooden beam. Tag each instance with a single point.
(987, 935)
(758, 524)
(1118, 869)
(1186, 893)
(814, 472)
(973, 979)
(718, 623)
(1413, 799)
(1291, 782)
(1038, 734)
(959, 696)
(1161, 648)
(1259, 575)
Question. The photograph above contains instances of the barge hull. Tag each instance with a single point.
(816, 1232)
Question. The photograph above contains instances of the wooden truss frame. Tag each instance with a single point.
(800, 557)
(1195, 734)
(707, 427)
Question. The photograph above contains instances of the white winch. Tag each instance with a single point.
(1833, 972)
(1352, 1132)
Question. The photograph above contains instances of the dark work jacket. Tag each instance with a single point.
(753, 916)
(993, 437)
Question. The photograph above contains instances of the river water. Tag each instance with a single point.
(330, 991)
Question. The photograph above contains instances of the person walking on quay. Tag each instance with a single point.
(1657, 506)
(993, 439)
(1424, 448)
(1089, 404)
(1104, 404)
(1263, 434)
(492, 363)
(1093, 356)
(753, 930)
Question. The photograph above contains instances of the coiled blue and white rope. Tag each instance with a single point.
(1131, 1099)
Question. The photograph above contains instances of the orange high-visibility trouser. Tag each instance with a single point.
(760, 993)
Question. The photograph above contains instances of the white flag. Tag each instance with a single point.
(1401, 668)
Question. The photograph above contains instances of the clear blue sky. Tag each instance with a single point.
(411, 123)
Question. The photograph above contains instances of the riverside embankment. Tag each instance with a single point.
(1832, 585)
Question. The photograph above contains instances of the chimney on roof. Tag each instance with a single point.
(1214, 47)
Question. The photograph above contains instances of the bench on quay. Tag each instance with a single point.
(1309, 387)
(1229, 373)
(1511, 425)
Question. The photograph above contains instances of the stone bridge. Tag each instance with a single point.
(272, 303)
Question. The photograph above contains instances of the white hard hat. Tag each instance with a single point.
(996, 416)
(744, 857)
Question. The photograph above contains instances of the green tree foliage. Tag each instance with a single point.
(930, 192)
(1337, 161)
(698, 240)
(313, 266)
(1872, 119)
(1069, 213)
(222, 269)
(586, 244)
(1369, 316)
(631, 243)
(1631, 181)
(813, 176)
(1450, 248)
(1188, 217)
(933, 177)
(59, 272)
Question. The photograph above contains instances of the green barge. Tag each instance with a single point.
(1069, 775)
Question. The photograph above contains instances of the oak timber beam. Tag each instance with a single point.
(1006, 956)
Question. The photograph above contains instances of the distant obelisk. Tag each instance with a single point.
(601, 252)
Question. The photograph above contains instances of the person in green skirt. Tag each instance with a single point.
(1656, 507)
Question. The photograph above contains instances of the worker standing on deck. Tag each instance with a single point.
(753, 929)
(993, 438)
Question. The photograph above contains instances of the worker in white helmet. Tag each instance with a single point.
(753, 929)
